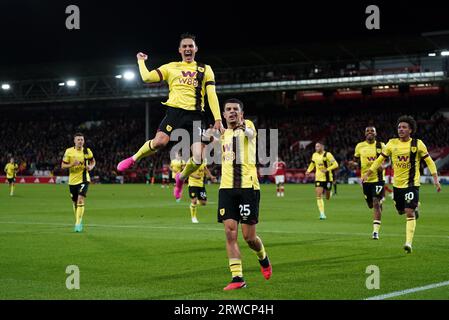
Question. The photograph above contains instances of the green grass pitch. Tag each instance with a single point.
(138, 243)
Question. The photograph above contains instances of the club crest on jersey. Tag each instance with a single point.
(378, 150)
(222, 212)
(414, 149)
(168, 128)
(201, 69)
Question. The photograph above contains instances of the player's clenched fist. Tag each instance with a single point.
(142, 56)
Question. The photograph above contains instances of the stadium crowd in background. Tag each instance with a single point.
(36, 139)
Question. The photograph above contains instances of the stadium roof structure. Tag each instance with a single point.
(294, 52)
(109, 88)
(360, 48)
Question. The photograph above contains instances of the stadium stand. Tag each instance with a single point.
(38, 136)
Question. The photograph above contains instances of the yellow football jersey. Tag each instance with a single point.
(182, 79)
(406, 161)
(176, 166)
(77, 174)
(11, 169)
(200, 172)
(321, 161)
(368, 153)
(238, 166)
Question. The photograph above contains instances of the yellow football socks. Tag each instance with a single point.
(190, 167)
(261, 254)
(376, 226)
(74, 209)
(235, 265)
(410, 230)
(193, 210)
(320, 204)
(79, 213)
(145, 151)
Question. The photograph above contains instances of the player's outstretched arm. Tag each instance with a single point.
(310, 168)
(209, 174)
(433, 171)
(214, 106)
(147, 76)
(218, 126)
(436, 182)
(376, 165)
(334, 165)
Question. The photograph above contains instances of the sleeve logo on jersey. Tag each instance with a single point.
(168, 128)
(222, 212)
(378, 150)
(201, 69)
(414, 149)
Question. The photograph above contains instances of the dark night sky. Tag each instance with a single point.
(34, 31)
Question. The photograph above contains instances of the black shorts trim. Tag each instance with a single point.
(373, 190)
(198, 192)
(406, 198)
(177, 118)
(323, 184)
(78, 189)
(11, 180)
(239, 204)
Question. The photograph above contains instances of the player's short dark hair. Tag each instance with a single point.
(187, 35)
(78, 134)
(408, 119)
(234, 100)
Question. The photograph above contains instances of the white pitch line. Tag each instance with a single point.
(216, 229)
(412, 290)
